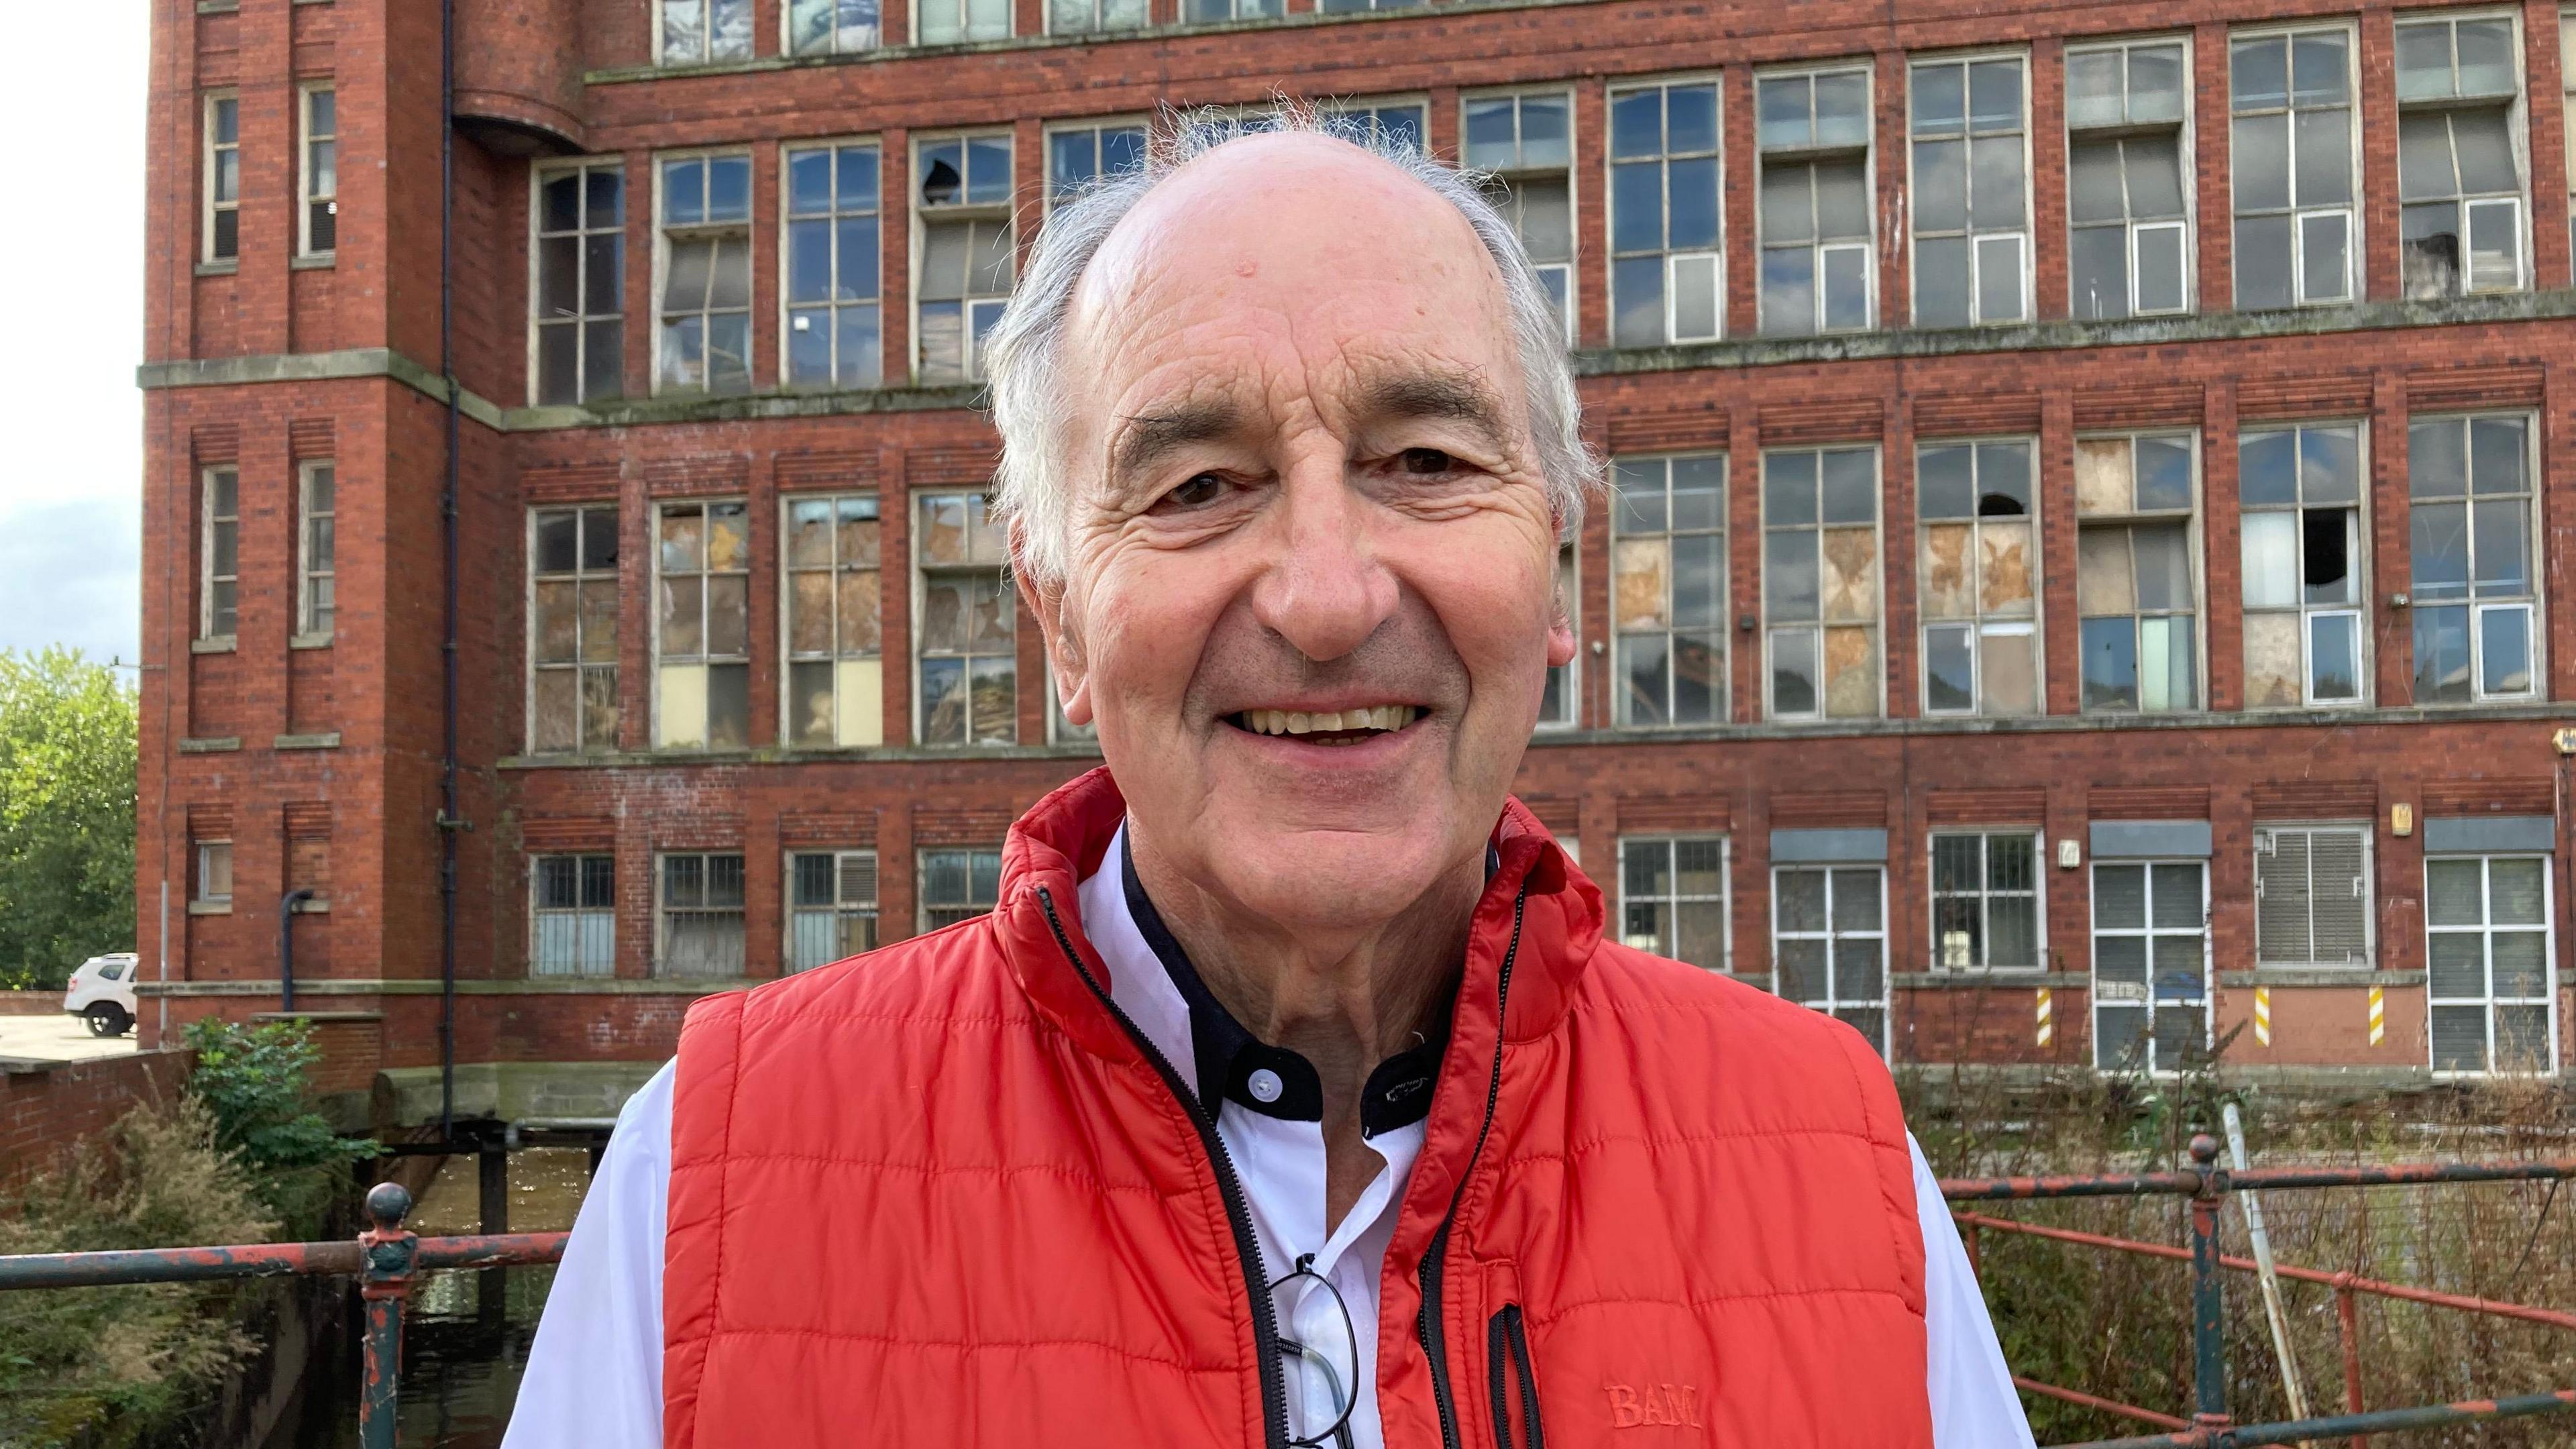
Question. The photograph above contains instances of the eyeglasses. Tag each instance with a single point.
(1322, 1370)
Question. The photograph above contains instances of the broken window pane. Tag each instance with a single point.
(1668, 561)
(1949, 678)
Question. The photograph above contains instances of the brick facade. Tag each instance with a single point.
(46, 1107)
(319, 760)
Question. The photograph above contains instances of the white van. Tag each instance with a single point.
(102, 994)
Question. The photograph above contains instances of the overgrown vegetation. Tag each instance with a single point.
(2118, 1325)
(67, 757)
(255, 1080)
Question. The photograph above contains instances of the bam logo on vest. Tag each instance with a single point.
(1673, 1406)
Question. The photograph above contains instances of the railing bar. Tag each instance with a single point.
(2377, 1421)
(2108, 1406)
(2187, 1183)
(176, 1265)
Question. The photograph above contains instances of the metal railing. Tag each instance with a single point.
(387, 1257)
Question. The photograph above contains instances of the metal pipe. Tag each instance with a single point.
(2267, 1179)
(2381, 1421)
(2107, 1406)
(2208, 1318)
(449, 817)
(2274, 1316)
(391, 1253)
(2348, 1328)
(286, 905)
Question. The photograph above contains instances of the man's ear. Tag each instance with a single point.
(1057, 626)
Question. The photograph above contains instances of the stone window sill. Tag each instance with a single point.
(219, 644)
(309, 641)
(2319, 976)
(223, 268)
(210, 908)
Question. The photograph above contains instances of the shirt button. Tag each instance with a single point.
(1264, 1085)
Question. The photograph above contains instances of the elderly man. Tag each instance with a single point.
(1292, 1094)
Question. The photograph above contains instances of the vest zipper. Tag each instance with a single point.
(1427, 1324)
(1508, 1357)
(1247, 1247)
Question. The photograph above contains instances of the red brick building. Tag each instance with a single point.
(2080, 584)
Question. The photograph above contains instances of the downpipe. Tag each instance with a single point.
(450, 820)
(286, 907)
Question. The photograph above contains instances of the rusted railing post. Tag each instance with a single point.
(390, 1251)
(1974, 1243)
(2348, 1328)
(2208, 1321)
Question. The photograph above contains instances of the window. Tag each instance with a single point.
(320, 182)
(1078, 17)
(219, 595)
(215, 873)
(701, 916)
(967, 263)
(2150, 963)
(580, 293)
(1985, 900)
(2136, 577)
(1561, 705)
(1668, 588)
(1820, 582)
(832, 27)
(2469, 480)
(833, 336)
(1080, 155)
(2487, 942)
(1978, 593)
(223, 178)
(1398, 122)
(702, 634)
(1343, 7)
(1525, 146)
(832, 906)
(1813, 130)
(2125, 203)
(1673, 899)
(706, 274)
(695, 32)
(835, 672)
(572, 629)
(573, 915)
(2300, 524)
(2312, 895)
(958, 885)
(2294, 163)
(969, 650)
(2459, 94)
(946, 22)
(316, 593)
(1207, 11)
(1829, 943)
(1971, 193)
(1666, 261)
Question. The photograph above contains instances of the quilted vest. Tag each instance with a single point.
(942, 1194)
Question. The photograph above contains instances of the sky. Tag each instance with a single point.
(71, 479)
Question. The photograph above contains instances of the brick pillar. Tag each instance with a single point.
(2224, 594)
(761, 503)
(1743, 251)
(2048, 176)
(766, 207)
(2062, 647)
(1591, 141)
(640, 330)
(2558, 525)
(2393, 652)
(1895, 307)
(2378, 119)
(894, 594)
(2546, 104)
(635, 607)
(1897, 555)
(2211, 137)
(895, 230)
(1744, 560)
(1596, 700)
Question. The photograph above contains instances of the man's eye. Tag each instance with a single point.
(1426, 462)
(1199, 488)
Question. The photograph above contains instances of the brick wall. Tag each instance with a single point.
(45, 1109)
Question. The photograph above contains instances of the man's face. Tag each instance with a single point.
(1310, 601)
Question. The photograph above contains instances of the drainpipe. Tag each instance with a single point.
(286, 946)
(450, 819)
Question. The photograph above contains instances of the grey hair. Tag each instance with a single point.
(1022, 355)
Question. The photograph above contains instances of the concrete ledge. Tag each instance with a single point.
(509, 1091)
(2004, 980)
(350, 363)
(322, 263)
(2553, 714)
(329, 740)
(776, 755)
(212, 745)
(529, 986)
(2318, 976)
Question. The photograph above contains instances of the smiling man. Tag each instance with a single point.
(1292, 1094)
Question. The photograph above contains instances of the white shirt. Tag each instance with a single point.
(594, 1375)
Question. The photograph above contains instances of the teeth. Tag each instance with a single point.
(1299, 722)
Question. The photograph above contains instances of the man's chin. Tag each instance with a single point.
(1330, 873)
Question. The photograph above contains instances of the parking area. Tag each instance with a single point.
(57, 1038)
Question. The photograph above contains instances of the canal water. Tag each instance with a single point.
(461, 1364)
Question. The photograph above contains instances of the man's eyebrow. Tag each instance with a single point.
(1458, 396)
(1145, 439)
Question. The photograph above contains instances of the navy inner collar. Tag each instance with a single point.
(1236, 1066)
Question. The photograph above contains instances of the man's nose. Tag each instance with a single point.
(1325, 591)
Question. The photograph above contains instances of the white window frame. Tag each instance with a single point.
(2309, 614)
(2534, 604)
(789, 729)
(2148, 931)
(307, 194)
(579, 915)
(787, 30)
(659, 315)
(833, 306)
(2194, 546)
(1233, 10)
(1568, 272)
(1353, 109)
(841, 909)
(1820, 625)
(1818, 248)
(1569, 675)
(316, 534)
(706, 47)
(1095, 126)
(2517, 124)
(662, 909)
(580, 575)
(1671, 900)
(922, 571)
(924, 216)
(2352, 212)
(2485, 931)
(1099, 24)
(1833, 1004)
(1985, 895)
(1976, 237)
(199, 893)
(210, 166)
(706, 660)
(966, 34)
(1712, 257)
(1982, 626)
(2267, 836)
(921, 885)
(208, 522)
(2186, 134)
(581, 322)
(1720, 631)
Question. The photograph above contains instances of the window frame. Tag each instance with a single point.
(832, 306)
(2353, 211)
(1672, 900)
(210, 174)
(1235, 10)
(921, 571)
(305, 195)
(1573, 265)
(1885, 1004)
(662, 909)
(2269, 832)
(2186, 133)
(208, 521)
(2485, 930)
(873, 909)
(658, 315)
(2195, 554)
(788, 658)
(787, 34)
(538, 176)
(1820, 625)
(706, 38)
(582, 574)
(1985, 895)
(706, 658)
(1096, 125)
(1723, 706)
(2534, 601)
(539, 913)
(2028, 272)
(2146, 931)
(923, 905)
(2036, 625)
(205, 854)
(312, 629)
(965, 27)
(922, 216)
(1714, 255)
(1811, 156)
(2366, 638)
(2517, 123)
(1047, 25)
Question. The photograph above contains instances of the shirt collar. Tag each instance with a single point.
(1235, 1066)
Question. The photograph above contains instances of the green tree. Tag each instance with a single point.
(67, 756)
(256, 1082)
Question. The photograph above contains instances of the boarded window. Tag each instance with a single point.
(2312, 896)
(1820, 582)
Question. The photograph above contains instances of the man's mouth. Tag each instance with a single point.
(1327, 727)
